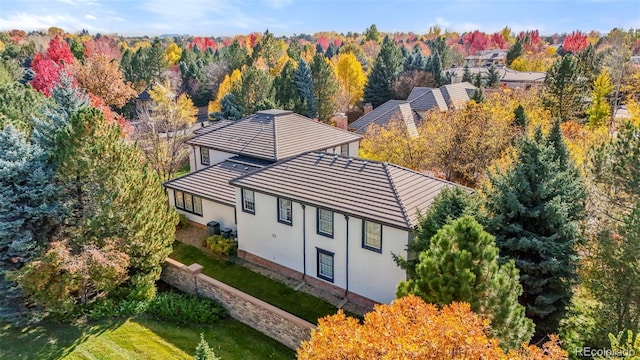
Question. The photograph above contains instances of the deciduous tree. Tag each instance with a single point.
(350, 77)
(102, 77)
(600, 110)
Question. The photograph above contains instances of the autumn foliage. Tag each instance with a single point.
(409, 328)
(575, 42)
(47, 66)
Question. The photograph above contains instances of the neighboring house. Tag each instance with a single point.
(333, 221)
(487, 58)
(511, 78)
(413, 110)
(227, 149)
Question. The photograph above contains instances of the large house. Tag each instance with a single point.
(487, 58)
(228, 149)
(508, 77)
(413, 110)
(303, 203)
(333, 220)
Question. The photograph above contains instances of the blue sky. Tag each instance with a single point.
(285, 17)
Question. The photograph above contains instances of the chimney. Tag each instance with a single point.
(367, 108)
(340, 120)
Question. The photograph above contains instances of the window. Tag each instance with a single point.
(204, 156)
(197, 205)
(188, 202)
(344, 149)
(179, 200)
(325, 265)
(284, 211)
(325, 222)
(248, 201)
(372, 236)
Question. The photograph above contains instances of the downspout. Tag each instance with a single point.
(195, 161)
(304, 241)
(346, 291)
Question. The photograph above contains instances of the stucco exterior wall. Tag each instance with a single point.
(215, 156)
(353, 149)
(373, 275)
(211, 211)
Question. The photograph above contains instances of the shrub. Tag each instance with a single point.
(203, 351)
(109, 308)
(185, 308)
(183, 221)
(221, 246)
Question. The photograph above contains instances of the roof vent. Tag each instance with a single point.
(335, 157)
(246, 168)
(365, 162)
(321, 155)
(234, 165)
(349, 160)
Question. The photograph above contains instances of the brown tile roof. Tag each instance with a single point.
(274, 135)
(373, 190)
(212, 126)
(384, 114)
(213, 182)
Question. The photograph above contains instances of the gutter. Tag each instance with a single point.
(346, 290)
(304, 241)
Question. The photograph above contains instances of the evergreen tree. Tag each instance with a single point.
(386, 70)
(493, 78)
(520, 118)
(203, 351)
(590, 63)
(477, 80)
(325, 87)
(254, 92)
(478, 95)
(466, 75)
(234, 55)
(304, 84)
(371, 33)
(434, 66)
(230, 109)
(535, 209)
(449, 205)
(461, 264)
(415, 60)
(332, 51)
(515, 51)
(285, 89)
(18, 104)
(29, 215)
(565, 89)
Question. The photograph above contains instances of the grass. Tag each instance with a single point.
(137, 338)
(275, 293)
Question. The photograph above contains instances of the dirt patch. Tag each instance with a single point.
(192, 235)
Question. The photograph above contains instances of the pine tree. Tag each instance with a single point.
(386, 70)
(231, 110)
(520, 118)
(450, 204)
(461, 264)
(565, 89)
(466, 75)
(415, 60)
(18, 104)
(234, 55)
(515, 51)
(325, 87)
(203, 351)
(304, 84)
(254, 91)
(492, 78)
(285, 89)
(434, 65)
(535, 208)
(478, 95)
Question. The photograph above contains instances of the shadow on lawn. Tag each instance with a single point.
(48, 340)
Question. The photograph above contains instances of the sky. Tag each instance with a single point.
(287, 17)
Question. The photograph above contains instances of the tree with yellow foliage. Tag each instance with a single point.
(162, 130)
(600, 109)
(351, 77)
(394, 144)
(173, 53)
(409, 328)
(225, 87)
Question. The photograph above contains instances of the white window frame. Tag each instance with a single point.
(344, 149)
(197, 205)
(285, 211)
(188, 202)
(178, 195)
(248, 201)
(203, 151)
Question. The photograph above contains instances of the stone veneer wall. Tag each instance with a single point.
(266, 318)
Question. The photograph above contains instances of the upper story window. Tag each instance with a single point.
(325, 222)
(248, 201)
(204, 156)
(285, 211)
(344, 149)
(372, 236)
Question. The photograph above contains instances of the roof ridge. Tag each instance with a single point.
(275, 136)
(384, 113)
(429, 176)
(325, 124)
(394, 189)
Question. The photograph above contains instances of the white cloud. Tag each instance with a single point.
(36, 22)
(90, 17)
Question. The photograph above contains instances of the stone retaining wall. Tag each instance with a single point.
(278, 324)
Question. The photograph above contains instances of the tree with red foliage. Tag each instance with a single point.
(59, 52)
(46, 73)
(323, 41)
(475, 41)
(18, 36)
(203, 43)
(498, 41)
(109, 115)
(103, 45)
(531, 41)
(575, 42)
(253, 39)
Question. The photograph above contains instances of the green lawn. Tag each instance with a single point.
(137, 338)
(298, 303)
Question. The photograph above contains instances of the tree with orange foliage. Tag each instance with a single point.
(102, 77)
(409, 328)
